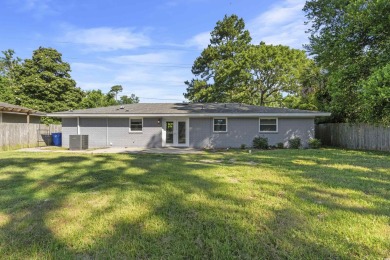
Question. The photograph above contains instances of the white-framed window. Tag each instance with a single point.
(220, 124)
(136, 125)
(268, 125)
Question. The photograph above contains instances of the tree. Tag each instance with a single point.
(231, 69)
(96, 98)
(129, 99)
(8, 67)
(212, 82)
(375, 97)
(9, 64)
(45, 83)
(6, 94)
(273, 71)
(350, 40)
(115, 90)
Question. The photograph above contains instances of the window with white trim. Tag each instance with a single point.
(220, 124)
(268, 125)
(136, 124)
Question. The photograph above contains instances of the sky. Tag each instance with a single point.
(146, 46)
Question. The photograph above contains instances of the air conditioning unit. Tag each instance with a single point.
(78, 142)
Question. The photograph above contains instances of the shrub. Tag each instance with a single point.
(243, 146)
(314, 143)
(294, 143)
(260, 143)
(280, 145)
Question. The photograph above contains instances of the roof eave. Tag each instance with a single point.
(308, 115)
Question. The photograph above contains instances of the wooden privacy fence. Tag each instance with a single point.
(354, 136)
(19, 135)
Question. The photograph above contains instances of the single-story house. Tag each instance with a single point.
(198, 125)
(16, 114)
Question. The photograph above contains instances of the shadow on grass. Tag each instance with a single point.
(158, 206)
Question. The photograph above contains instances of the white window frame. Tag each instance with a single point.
(142, 121)
(214, 124)
(277, 125)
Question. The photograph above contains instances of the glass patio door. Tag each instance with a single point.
(175, 132)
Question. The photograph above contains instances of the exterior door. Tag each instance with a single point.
(175, 132)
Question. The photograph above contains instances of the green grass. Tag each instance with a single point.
(276, 204)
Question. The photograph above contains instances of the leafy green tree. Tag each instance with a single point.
(8, 68)
(312, 93)
(9, 64)
(96, 98)
(231, 69)
(273, 71)
(6, 94)
(375, 97)
(212, 82)
(45, 83)
(350, 40)
(128, 99)
(115, 90)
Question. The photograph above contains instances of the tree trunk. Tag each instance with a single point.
(261, 98)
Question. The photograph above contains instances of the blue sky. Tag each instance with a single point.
(148, 47)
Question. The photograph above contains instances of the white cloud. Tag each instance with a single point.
(106, 38)
(36, 8)
(80, 66)
(169, 57)
(150, 94)
(154, 77)
(89, 85)
(282, 24)
(199, 41)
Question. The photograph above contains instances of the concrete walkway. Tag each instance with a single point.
(113, 150)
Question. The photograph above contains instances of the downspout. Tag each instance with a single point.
(28, 129)
(78, 125)
(107, 131)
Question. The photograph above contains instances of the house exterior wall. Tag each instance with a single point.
(243, 130)
(119, 134)
(105, 132)
(19, 118)
(69, 127)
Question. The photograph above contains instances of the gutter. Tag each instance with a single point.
(300, 115)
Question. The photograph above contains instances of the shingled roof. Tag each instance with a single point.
(185, 109)
(5, 107)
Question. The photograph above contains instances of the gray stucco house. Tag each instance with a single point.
(198, 125)
(16, 114)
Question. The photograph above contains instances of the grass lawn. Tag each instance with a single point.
(276, 204)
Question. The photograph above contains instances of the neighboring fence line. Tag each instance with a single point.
(354, 136)
(19, 135)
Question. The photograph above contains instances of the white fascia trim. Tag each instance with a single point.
(307, 115)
